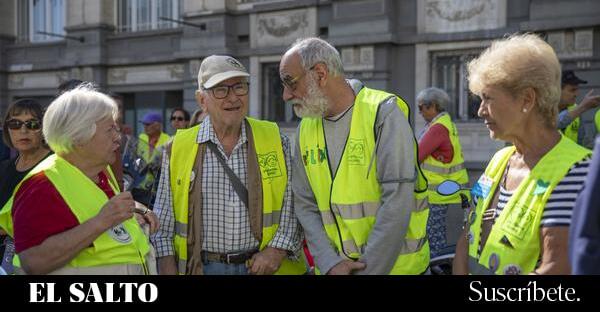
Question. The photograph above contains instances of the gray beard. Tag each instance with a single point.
(314, 105)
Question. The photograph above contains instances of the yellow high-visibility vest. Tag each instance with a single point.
(143, 150)
(269, 153)
(513, 245)
(349, 201)
(572, 130)
(438, 172)
(122, 244)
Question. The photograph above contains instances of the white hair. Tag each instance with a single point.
(434, 96)
(315, 50)
(71, 118)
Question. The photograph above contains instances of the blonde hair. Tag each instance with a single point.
(517, 63)
(71, 118)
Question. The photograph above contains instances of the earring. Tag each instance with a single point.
(524, 110)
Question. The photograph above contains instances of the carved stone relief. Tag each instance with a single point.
(445, 16)
(358, 58)
(146, 74)
(45, 80)
(194, 67)
(282, 28)
(85, 73)
(570, 44)
(15, 81)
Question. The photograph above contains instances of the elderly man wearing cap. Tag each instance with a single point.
(224, 199)
(569, 121)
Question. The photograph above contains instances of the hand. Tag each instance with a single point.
(266, 262)
(146, 216)
(590, 101)
(346, 267)
(116, 210)
(167, 265)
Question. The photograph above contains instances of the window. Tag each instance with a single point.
(46, 16)
(449, 72)
(137, 104)
(274, 107)
(140, 15)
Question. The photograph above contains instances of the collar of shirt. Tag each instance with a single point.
(207, 133)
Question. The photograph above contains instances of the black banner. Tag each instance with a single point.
(244, 291)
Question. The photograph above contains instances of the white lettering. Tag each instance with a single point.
(128, 291)
(570, 291)
(76, 290)
(110, 293)
(94, 292)
(530, 293)
(35, 294)
(153, 292)
(475, 290)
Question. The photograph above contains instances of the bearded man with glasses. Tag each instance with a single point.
(224, 200)
(359, 192)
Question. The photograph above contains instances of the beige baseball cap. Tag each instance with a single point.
(217, 68)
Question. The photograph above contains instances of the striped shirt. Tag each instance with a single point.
(560, 204)
(559, 207)
(226, 225)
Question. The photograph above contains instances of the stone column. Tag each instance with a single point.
(91, 22)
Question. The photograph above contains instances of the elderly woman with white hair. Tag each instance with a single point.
(525, 197)
(67, 216)
(441, 159)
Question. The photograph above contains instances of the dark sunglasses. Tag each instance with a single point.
(31, 124)
(178, 118)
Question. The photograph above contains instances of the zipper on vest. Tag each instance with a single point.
(331, 187)
(144, 264)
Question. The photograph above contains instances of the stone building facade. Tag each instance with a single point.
(150, 50)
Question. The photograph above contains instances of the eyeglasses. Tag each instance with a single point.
(222, 91)
(178, 118)
(292, 83)
(31, 124)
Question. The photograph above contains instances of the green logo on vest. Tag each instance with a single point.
(519, 221)
(269, 165)
(312, 156)
(356, 152)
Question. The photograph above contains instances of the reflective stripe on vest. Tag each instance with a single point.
(273, 173)
(348, 202)
(437, 171)
(123, 244)
(441, 170)
(518, 225)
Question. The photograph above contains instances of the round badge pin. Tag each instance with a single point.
(493, 262)
(512, 269)
(119, 233)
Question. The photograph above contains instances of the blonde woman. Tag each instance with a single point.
(525, 197)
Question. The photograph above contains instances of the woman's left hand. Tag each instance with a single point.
(146, 216)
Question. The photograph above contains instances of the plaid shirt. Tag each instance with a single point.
(226, 225)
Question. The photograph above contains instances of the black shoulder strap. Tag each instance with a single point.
(237, 184)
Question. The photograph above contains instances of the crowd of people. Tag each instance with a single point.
(356, 193)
